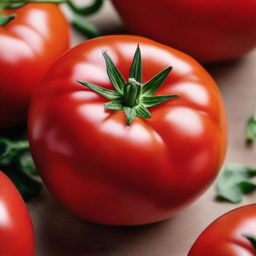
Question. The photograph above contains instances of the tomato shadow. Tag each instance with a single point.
(17, 132)
(232, 74)
(58, 232)
(222, 70)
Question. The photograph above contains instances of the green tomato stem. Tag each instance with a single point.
(81, 25)
(129, 97)
(85, 10)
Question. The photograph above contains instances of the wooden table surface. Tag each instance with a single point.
(58, 233)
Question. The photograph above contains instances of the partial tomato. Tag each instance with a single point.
(16, 231)
(211, 30)
(29, 44)
(126, 160)
(233, 234)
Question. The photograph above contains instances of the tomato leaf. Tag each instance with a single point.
(251, 128)
(114, 75)
(14, 5)
(81, 25)
(16, 161)
(151, 101)
(82, 10)
(108, 94)
(153, 85)
(251, 239)
(27, 164)
(234, 181)
(136, 68)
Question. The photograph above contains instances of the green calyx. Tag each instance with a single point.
(251, 239)
(5, 19)
(131, 96)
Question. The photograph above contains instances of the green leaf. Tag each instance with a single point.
(10, 150)
(83, 26)
(153, 85)
(108, 94)
(46, 1)
(251, 239)
(86, 10)
(27, 164)
(142, 111)
(15, 5)
(114, 75)
(151, 101)
(251, 129)
(130, 114)
(5, 19)
(234, 181)
(114, 105)
(136, 68)
(16, 162)
(27, 186)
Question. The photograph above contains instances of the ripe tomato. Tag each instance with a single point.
(212, 30)
(29, 44)
(16, 231)
(226, 236)
(107, 171)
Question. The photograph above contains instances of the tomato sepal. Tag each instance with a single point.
(131, 97)
(5, 19)
(251, 239)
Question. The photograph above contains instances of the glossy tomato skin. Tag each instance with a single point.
(213, 30)
(29, 44)
(224, 237)
(16, 231)
(108, 172)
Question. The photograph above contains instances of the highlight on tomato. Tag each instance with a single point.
(232, 234)
(127, 139)
(212, 30)
(16, 230)
(31, 38)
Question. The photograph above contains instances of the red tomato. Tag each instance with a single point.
(16, 231)
(108, 172)
(29, 44)
(211, 30)
(225, 236)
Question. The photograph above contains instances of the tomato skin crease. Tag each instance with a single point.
(107, 172)
(16, 230)
(210, 31)
(225, 236)
(29, 44)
